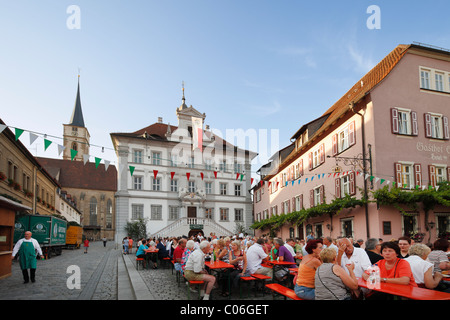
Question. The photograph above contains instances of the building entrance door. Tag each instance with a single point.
(192, 212)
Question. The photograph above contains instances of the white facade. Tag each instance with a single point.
(178, 189)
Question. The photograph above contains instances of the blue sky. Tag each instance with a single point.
(247, 64)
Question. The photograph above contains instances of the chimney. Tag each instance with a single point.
(160, 119)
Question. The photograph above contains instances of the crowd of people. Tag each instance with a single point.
(327, 268)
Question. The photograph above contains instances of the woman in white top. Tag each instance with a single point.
(422, 269)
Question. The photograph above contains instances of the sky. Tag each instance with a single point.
(262, 66)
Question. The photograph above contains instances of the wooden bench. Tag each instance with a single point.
(260, 278)
(196, 283)
(248, 280)
(282, 290)
(139, 261)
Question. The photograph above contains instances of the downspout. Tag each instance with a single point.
(366, 205)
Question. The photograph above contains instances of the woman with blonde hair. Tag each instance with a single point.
(422, 270)
(331, 280)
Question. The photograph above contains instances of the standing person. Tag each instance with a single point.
(27, 247)
(130, 245)
(125, 245)
(104, 241)
(86, 245)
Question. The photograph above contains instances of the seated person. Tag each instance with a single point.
(140, 253)
(422, 269)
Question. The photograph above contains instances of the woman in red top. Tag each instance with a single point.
(392, 268)
(86, 245)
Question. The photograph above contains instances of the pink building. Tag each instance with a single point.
(397, 116)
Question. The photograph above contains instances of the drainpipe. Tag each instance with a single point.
(366, 205)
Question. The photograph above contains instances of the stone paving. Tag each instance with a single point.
(105, 274)
(98, 281)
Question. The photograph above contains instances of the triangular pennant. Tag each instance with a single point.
(371, 178)
(306, 180)
(312, 178)
(2, 127)
(237, 175)
(60, 149)
(323, 174)
(97, 162)
(299, 180)
(215, 174)
(188, 175)
(85, 158)
(73, 154)
(286, 183)
(201, 175)
(107, 162)
(423, 187)
(381, 181)
(171, 175)
(18, 133)
(242, 176)
(132, 170)
(367, 176)
(155, 173)
(251, 181)
(293, 182)
(47, 144)
(33, 137)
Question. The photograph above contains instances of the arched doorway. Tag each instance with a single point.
(194, 232)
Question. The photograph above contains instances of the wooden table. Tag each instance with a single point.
(407, 291)
(218, 267)
(148, 254)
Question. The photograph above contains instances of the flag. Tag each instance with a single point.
(215, 174)
(237, 175)
(47, 144)
(18, 133)
(197, 133)
(85, 158)
(73, 154)
(2, 127)
(201, 175)
(155, 173)
(132, 170)
(33, 137)
(107, 162)
(60, 149)
(188, 175)
(171, 175)
(97, 162)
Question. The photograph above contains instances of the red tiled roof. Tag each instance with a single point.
(75, 174)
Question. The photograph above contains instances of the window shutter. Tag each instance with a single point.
(448, 173)
(398, 172)
(337, 187)
(351, 134)
(432, 174)
(301, 200)
(335, 144)
(311, 197)
(427, 118)
(394, 120)
(352, 183)
(414, 126)
(418, 174)
(322, 194)
(310, 161)
(445, 127)
(293, 205)
(288, 206)
(322, 153)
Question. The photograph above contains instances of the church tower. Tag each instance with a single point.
(76, 135)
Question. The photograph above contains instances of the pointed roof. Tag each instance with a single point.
(77, 114)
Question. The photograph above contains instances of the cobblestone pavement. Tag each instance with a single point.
(99, 279)
(98, 276)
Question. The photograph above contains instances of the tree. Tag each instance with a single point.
(137, 229)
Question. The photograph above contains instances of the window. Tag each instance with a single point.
(173, 160)
(436, 126)
(237, 167)
(237, 190)
(223, 189)
(425, 79)
(223, 214)
(191, 163)
(317, 157)
(208, 165)
(404, 121)
(345, 185)
(138, 156)
(223, 166)
(441, 173)
(156, 212)
(137, 211)
(93, 212)
(191, 186)
(173, 212)
(137, 183)
(209, 213)
(156, 158)
(208, 187)
(174, 185)
(343, 140)
(316, 196)
(156, 184)
(238, 215)
(298, 203)
(273, 211)
(439, 81)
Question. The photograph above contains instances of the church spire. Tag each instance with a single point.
(77, 114)
(183, 105)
